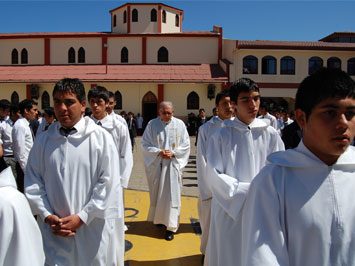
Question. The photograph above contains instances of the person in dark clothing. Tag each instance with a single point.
(291, 135)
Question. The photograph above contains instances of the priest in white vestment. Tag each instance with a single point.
(300, 209)
(235, 154)
(71, 183)
(166, 149)
(225, 111)
(20, 238)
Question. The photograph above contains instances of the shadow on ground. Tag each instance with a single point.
(148, 229)
(181, 261)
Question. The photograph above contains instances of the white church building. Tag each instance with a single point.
(147, 58)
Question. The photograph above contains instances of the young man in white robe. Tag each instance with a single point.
(166, 150)
(300, 209)
(22, 139)
(98, 98)
(225, 111)
(235, 154)
(111, 106)
(72, 186)
(20, 238)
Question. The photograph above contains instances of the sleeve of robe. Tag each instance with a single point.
(182, 150)
(149, 145)
(19, 146)
(228, 190)
(35, 189)
(126, 156)
(104, 200)
(263, 231)
(201, 164)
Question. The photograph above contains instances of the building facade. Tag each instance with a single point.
(147, 58)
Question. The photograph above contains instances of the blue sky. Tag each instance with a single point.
(242, 20)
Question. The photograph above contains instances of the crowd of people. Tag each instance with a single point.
(259, 204)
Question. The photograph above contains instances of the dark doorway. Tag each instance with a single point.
(149, 107)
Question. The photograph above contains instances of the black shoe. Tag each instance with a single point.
(159, 225)
(169, 235)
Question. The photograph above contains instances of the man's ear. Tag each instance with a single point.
(300, 118)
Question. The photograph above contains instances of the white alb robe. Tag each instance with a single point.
(235, 154)
(204, 203)
(120, 135)
(301, 212)
(20, 238)
(77, 175)
(165, 176)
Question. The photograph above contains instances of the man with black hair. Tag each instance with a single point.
(47, 120)
(6, 133)
(264, 114)
(22, 138)
(111, 106)
(71, 184)
(235, 154)
(299, 209)
(224, 111)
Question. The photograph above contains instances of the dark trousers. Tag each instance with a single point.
(20, 178)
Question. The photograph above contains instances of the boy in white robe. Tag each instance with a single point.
(235, 154)
(225, 111)
(166, 150)
(300, 209)
(70, 184)
(20, 238)
(98, 97)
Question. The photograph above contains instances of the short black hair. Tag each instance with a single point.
(323, 84)
(111, 95)
(222, 94)
(48, 111)
(14, 108)
(72, 85)
(26, 104)
(5, 104)
(242, 85)
(98, 92)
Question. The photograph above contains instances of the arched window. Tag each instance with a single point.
(124, 55)
(45, 100)
(153, 15)
(118, 98)
(193, 101)
(268, 65)
(71, 56)
(163, 55)
(14, 98)
(288, 65)
(134, 15)
(177, 20)
(164, 16)
(24, 56)
(250, 65)
(351, 66)
(125, 16)
(334, 62)
(114, 20)
(314, 63)
(81, 55)
(14, 57)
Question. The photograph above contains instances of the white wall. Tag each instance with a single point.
(120, 26)
(184, 50)
(169, 26)
(134, 46)
(34, 47)
(60, 47)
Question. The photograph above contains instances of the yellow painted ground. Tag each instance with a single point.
(149, 246)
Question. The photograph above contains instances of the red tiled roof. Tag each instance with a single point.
(294, 45)
(338, 34)
(115, 73)
(145, 4)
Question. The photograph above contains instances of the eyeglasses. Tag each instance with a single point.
(166, 113)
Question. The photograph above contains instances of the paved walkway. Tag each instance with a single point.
(147, 244)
